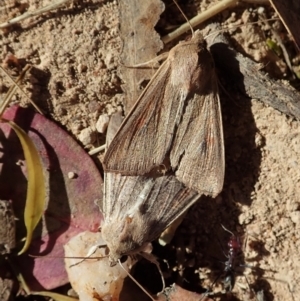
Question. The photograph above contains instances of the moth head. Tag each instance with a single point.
(123, 237)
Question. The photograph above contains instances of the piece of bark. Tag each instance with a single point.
(7, 227)
(6, 288)
(289, 13)
(140, 44)
(245, 74)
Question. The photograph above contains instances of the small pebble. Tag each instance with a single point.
(72, 175)
(20, 163)
(87, 136)
(295, 217)
(260, 10)
(93, 106)
(102, 123)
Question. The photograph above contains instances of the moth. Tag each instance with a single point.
(176, 122)
(137, 209)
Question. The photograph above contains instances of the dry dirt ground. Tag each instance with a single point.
(75, 53)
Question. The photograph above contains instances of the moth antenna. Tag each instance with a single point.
(68, 257)
(85, 258)
(135, 281)
(187, 20)
(91, 251)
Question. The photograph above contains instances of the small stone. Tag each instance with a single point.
(295, 217)
(87, 136)
(94, 106)
(102, 123)
(259, 140)
(20, 163)
(261, 10)
(110, 61)
(76, 126)
(72, 175)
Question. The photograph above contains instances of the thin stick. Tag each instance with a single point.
(227, 230)
(12, 90)
(134, 280)
(30, 14)
(283, 48)
(97, 150)
(187, 20)
(239, 25)
(199, 19)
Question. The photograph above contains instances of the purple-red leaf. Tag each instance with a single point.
(70, 206)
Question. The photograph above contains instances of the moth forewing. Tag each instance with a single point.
(178, 118)
(198, 148)
(141, 126)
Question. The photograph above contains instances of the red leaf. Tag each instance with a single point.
(70, 207)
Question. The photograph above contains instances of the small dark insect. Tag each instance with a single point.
(229, 273)
(234, 249)
(234, 253)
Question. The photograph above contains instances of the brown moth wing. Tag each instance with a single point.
(198, 148)
(145, 137)
(138, 209)
(128, 152)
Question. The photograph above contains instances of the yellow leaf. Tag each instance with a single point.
(55, 296)
(36, 191)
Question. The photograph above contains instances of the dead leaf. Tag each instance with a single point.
(70, 206)
(35, 198)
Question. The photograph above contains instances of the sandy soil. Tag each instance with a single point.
(75, 52)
